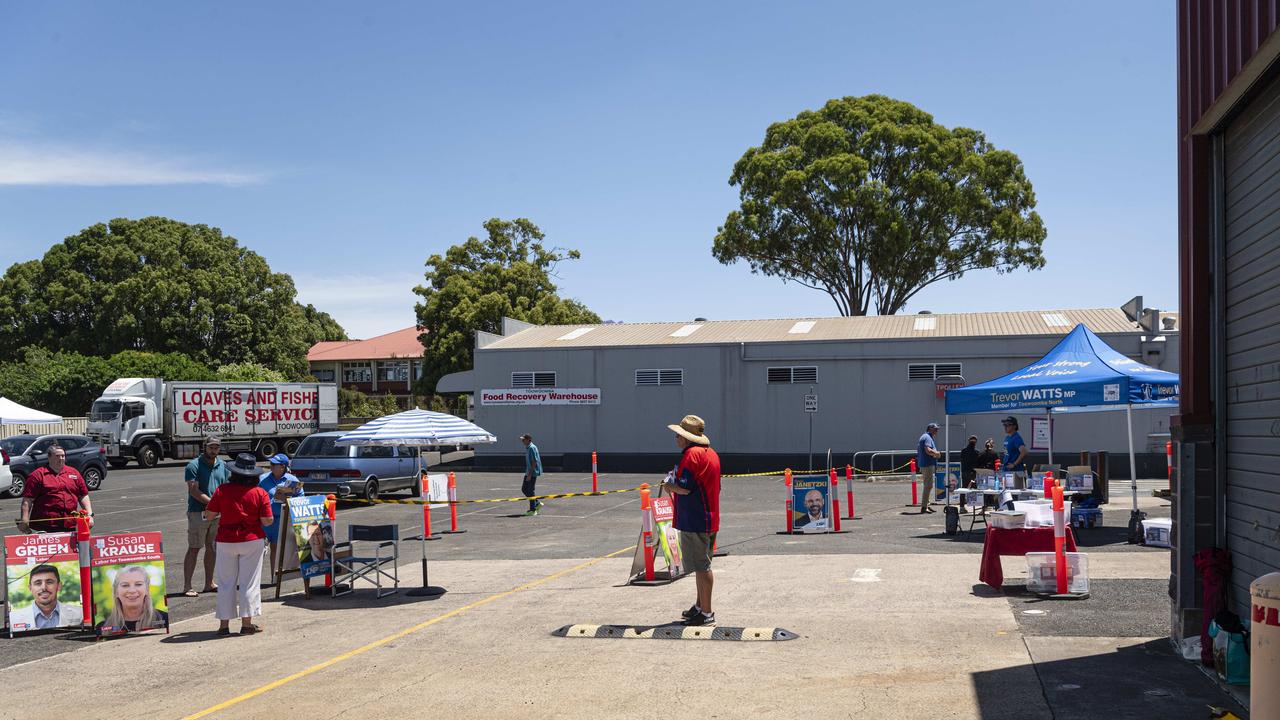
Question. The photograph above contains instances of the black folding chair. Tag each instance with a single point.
(360, 565)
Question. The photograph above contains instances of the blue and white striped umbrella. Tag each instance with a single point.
(419, 428)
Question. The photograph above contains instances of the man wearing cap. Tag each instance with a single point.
(695, 484)
(532, 469)
(969, 462)
(280, 485)
(927, 462)
(203, 475)
(1015, 450)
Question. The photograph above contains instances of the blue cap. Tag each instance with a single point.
(278, 459)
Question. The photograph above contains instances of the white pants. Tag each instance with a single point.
(239, 564)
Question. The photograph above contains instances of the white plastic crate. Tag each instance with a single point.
(1156, 532)
(1008, 519)
(1042, 572)
(1040, 512)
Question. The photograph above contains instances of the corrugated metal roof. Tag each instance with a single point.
(878, 327)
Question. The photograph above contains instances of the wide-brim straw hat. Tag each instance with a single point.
(693, 429)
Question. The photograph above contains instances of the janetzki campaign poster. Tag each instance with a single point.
(128, 583)
(42, 579)
(810, 504)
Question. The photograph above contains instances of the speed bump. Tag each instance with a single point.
(675, 632)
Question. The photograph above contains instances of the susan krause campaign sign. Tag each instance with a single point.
(42, 578)
(128, 583)
(313, 533)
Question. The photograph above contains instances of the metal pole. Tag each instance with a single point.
(946, 451)
(1133, 463)
(1048, 416)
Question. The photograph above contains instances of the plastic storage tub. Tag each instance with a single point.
(1156, 532)
(1008, 519)
(1040, 512)
(1086, 517)
(1042, 572)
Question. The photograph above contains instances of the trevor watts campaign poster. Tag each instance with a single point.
(42, 575)
(312, 531)
(128, 583)
(810, 506)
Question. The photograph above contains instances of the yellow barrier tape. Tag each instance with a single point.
(522, 498)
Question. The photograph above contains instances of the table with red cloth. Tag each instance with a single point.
(1019, 541)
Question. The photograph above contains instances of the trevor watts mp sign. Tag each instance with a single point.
(541, 396)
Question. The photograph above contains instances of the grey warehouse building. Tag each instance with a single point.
(613, 388)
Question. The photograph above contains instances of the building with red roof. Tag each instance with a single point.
(384, 364)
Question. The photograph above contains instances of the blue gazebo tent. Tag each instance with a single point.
(1080, 374)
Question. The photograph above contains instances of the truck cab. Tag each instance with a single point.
(126, 421)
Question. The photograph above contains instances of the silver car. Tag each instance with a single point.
(326, 468)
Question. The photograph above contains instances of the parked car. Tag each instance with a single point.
(6, 475)
(28, 452)
(368, 471)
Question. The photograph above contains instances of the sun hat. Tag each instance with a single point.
(693, 429)
(244, 464)
(278, 459)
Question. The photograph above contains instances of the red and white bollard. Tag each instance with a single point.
(915, 496)
(786, 483)
(648, 538)
(595, 487)
(848, 480)
(426, 509)
(835, 498)
(1059, 540)
(453, 505)
(331, 507)
(1168, 457)
(86, 579)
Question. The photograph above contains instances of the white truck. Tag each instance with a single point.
(150, 419)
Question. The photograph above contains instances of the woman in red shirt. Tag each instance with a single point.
(245, 512)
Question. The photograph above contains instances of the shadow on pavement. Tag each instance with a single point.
(1142, 680)
(361, 599)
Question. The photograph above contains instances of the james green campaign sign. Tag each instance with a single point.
(42, 576)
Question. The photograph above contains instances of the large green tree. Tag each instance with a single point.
(474, 285)
(870, 200)
(159, 285)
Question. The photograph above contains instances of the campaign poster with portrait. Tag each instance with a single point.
(811, 504)
(128, 583)
(42, 582)
(312, 532)
(664, 514)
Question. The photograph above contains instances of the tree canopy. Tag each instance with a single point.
(870, 200)
(159, 285)
(472, 286)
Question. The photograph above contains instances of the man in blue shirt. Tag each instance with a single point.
(1015, 450)
(927, 462)
(203, 476)
(532, 469)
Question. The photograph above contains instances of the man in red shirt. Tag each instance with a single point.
(52, 494)
(696, 487)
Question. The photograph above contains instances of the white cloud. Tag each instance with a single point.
(365, 305)
(46, 164)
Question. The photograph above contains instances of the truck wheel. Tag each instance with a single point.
(19, 482)
(118, 463)
(371, 489)
(148, 456)
(267, 448)
(92, 478)
(291, 446)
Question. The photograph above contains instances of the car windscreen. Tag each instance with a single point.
(104, 410)
(320, 446)
(17, 444)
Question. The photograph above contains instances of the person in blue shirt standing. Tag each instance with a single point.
(1015, 450)
(927, 463)
(532, 469)
(280, 485)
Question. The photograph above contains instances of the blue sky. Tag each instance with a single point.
(347, 142)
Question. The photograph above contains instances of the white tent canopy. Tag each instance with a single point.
(11, 413)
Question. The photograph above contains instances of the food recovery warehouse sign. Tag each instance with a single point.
(541, 396)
